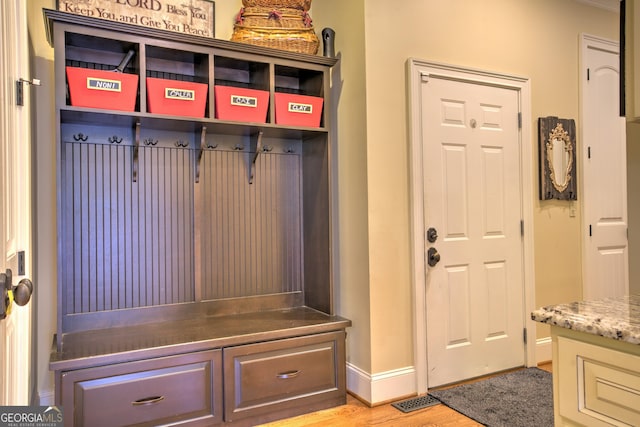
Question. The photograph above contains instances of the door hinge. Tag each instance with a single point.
(588, 74)
(522, 227)
(519, 120)
(588, 152)
(524, 335)
(424, 77)
(590, 231)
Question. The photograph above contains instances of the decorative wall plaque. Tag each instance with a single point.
(194, 17)
(557, 151)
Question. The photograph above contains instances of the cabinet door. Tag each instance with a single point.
(598, 386)
(284, 375)
(184, 390)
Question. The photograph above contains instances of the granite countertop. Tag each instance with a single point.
(615, 318)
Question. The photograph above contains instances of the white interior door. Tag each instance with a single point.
(472, 198)
(605, 249)
(15, 202)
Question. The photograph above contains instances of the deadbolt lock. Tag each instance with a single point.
(432, 235)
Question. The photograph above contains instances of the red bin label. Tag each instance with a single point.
(180, 94)
(296, 107)
(244, 101)
(104, 84)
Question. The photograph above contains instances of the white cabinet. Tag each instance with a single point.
(596, 380)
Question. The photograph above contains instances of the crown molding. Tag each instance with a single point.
(610, 5)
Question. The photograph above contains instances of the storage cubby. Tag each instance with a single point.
(241, 73)
(177, 82)
(89, 51)
(299, 81)
(192, 245)
(105, 66)
(299, 96)
(177, 64)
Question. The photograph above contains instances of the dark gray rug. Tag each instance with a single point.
(522, 398)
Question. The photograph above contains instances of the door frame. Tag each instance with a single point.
(417, 70)
(18, 349)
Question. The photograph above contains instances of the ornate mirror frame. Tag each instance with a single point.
(557, 169)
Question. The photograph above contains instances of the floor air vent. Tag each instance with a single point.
(416, 403)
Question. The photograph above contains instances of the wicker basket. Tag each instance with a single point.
(300, 40)
(279, 4)
(282, 18)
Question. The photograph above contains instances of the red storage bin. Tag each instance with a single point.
(241, 104)
(176, 98)
(102, 89)
(298, 110)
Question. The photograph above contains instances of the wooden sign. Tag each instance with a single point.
(194, 17)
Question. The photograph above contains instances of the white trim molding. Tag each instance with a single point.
(383, 387)
(610, 5)
(417, 72)
(543, 350)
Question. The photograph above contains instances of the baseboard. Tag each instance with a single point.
(383, 387)
(47, 398)
(399, 383)
(543, 350)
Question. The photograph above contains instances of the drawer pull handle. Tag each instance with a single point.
(288, 374)
(147, 400)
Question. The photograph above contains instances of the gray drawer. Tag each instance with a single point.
(184, 389)
(283, 375)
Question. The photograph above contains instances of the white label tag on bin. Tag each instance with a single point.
(182, 94)
(244, 101)
(104, 84)
(295, 107)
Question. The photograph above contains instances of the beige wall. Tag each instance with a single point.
(352, 258)
(537, 39)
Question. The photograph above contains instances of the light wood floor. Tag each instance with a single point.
(356, 414)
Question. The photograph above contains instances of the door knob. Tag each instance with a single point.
(433, 257)
(21, 293)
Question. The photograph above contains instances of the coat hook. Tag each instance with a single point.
(267, 148)
(181, 143)
(212, 147)
(239, 147)
(150, 141)
(20, 89)
(115, 139)
(80, 137)
(290, 149)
